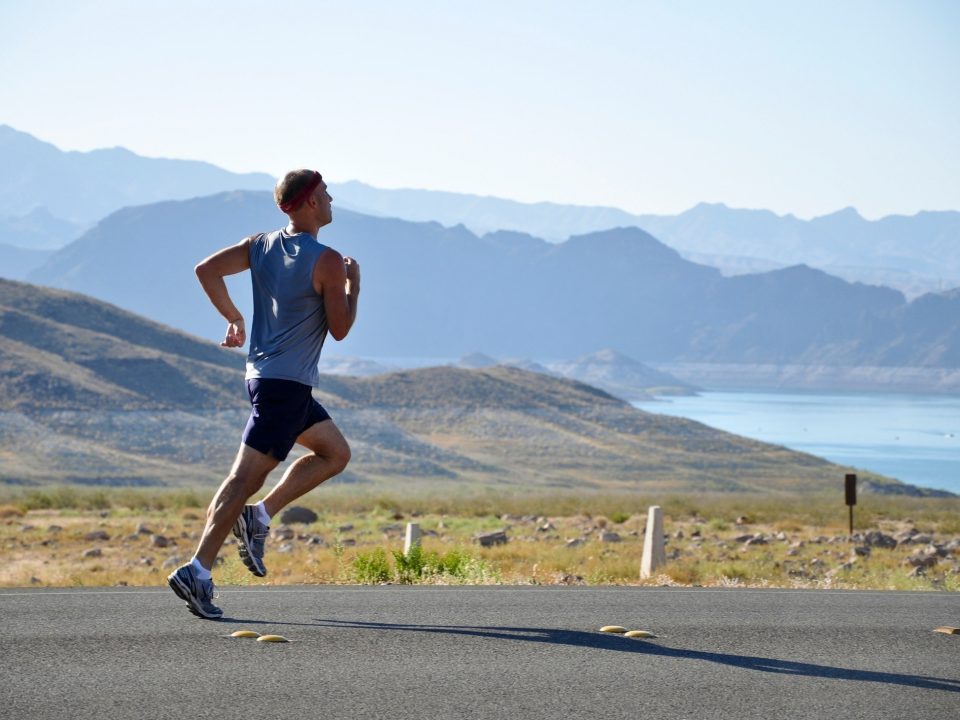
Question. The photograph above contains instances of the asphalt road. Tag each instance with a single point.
(480, 652)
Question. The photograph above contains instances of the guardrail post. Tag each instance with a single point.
(412, 539)
(654, 554)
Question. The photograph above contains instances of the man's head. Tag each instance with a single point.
(302, 195)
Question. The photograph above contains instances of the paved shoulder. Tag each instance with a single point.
(481, 652)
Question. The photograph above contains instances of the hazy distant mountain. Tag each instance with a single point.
(431, 291)
(622, 376)
(96, 395)
(608, 370)
(16, 262)
(476, 360)
(916, 253)
(49, 187)
(39, 229)
(481, 214)
(926, 244)
(352, 366)
(528, 365)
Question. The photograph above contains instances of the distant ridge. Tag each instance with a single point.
(622, 376)
(431, 291)
(916, 254)
(76, 189)
(19, 262)
(481, 214)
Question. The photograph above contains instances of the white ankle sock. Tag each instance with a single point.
(262, 514)
(202, 572)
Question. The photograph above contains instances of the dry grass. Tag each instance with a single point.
(806, 546)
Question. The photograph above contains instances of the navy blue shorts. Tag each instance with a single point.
(282, 410)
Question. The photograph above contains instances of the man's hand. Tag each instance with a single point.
(210, 273)
(337, 280)
(236, 335)
(352, 268)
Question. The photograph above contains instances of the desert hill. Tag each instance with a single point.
(63, 350)
(97, 395)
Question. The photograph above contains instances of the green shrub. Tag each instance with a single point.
(619, 517)
(419, 565)
(718, 525)
(371, 568)
(455, 564)
(54, 498)
(409, 567)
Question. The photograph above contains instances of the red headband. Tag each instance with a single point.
(297, 200)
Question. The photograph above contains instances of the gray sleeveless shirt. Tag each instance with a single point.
(289, 320)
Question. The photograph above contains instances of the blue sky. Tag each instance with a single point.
(802, 107)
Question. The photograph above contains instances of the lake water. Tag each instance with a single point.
(913, 438)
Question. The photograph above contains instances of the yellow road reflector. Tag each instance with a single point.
(948, 630)
(639, 634)
(272, 638)
(613, 629)
(245, 634)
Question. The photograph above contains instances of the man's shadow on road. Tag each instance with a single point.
(605, 641)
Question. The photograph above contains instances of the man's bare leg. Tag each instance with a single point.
(250, 470)
(330, 455)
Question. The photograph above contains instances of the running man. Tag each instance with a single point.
(301, 289)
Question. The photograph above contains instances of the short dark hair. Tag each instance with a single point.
(293, 184)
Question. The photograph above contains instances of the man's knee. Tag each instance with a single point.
(246, 480)
(341, 456)
(325, 441)
(250, 469)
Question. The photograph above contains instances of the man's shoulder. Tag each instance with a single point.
(261, 238)
(328, 256)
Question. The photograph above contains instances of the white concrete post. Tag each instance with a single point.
(413, 538)
(654, 554)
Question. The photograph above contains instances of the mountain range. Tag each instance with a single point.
(607, 369)
(916, 254)
(431, 291)
(48, 196)
(772, 326)
(96, 395)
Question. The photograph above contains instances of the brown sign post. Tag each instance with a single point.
(850, 487)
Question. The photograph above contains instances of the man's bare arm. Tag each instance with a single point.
(211, 271)
(337, 279)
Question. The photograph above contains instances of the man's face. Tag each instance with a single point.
(323, 200)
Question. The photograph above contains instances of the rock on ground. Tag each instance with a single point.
(298, 514)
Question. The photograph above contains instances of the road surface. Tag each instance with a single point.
(480, 652)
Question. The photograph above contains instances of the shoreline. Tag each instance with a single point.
(817, 378)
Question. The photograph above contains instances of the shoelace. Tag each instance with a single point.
(208, 591)
(260, 538)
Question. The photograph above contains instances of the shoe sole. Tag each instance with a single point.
(183, 592)
(239, 530)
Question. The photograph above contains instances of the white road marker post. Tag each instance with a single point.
(412, 539)
(654, 554)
